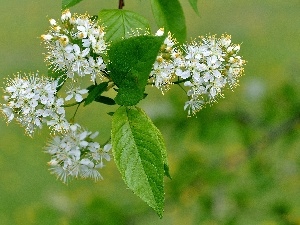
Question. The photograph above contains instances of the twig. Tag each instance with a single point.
(175, 82)
(73, 117)
(121, 4)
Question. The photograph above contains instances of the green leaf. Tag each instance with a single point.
(163, 151)
(138, 153)
(131, 61)
(95, 92)
(59, 75)
(193, 3)
(169, 14)
(68, 3)
(121, 23)
(105, 100)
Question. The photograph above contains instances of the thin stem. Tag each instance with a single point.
(110, 86)
(76, 111)
(121, 4)
(83, 100)
(74, 103)
(180, 81)
(182, 88)
(107, 141)
(175, 82)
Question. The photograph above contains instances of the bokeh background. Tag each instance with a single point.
(237, 162)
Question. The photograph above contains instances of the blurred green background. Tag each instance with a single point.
(237, 162)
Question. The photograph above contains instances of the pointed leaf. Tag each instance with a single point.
(68, 3)
(121, 23)
(169, 14)
(193, 3)
(131, 61)
(95, 92)
(105, 100)
(138, 153)
(111, 113)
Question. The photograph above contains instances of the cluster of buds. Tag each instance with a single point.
(163, 71)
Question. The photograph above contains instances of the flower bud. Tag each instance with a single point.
(66, 15)
(52, 22)
(64, 40)
(46, 37)
(160, 32)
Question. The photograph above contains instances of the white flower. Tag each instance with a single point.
(101, 154)
(66, 15)
(8, 113)
(225, 40)
(52, 22)
(32, 101)
(46, 37)
(160, 32)
(59, 124)
(193, 106)
(77, 93)
(75, 154)
(64, 40)
(184, 74)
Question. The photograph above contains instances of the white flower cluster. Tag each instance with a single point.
(31, 100)
(76, 47)
(74, 154)
(205, 66)
(209, 65)
(163, 71)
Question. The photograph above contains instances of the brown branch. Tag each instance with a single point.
(121, 4)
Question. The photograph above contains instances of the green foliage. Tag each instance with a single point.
(105, 100)
(193, 3)
(69, 3)
(169, 14)
(163, 150)
(131, 61)
(120, 24)
(94, 92)
(139, 153)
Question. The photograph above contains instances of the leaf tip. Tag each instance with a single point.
(166, 170)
